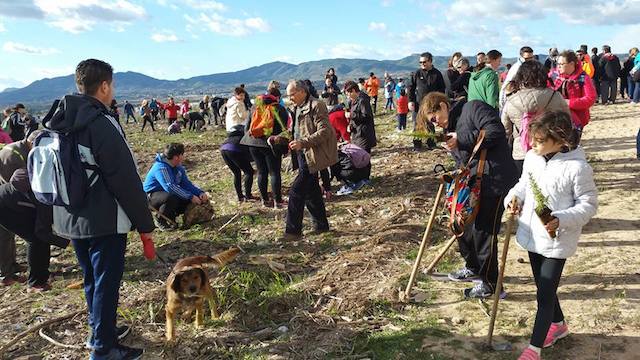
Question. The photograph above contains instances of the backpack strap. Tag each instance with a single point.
(479, 141)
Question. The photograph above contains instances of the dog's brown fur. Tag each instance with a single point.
(188, 286)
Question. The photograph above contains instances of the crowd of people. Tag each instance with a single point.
(531, 118)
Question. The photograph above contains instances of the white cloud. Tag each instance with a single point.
(594, 12)
(377, 26)
(206, 5)
(77, 16)
(11, 83)
(2, 28)
(14, 47)
(386, 3)
(164, 36)
(625, 39)
(350, 51)
(229, 26)
(53, 72)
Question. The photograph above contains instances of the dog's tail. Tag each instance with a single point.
(227, 256)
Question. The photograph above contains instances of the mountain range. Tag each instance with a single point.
(135, 86)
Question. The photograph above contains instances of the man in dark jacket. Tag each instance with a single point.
(114, 204)
(609, 70)
(423, 81)
(17, 122)
(595, 60)
(479, 244)
(216, 104)
(330, 92)
(129, 111)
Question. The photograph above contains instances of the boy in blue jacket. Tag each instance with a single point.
(168, 186)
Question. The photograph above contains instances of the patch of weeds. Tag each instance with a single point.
(253, 219)
(412, 254)
(406, 343)
(326, 244)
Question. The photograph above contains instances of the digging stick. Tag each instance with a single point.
(498, 290)
(435, 261)
(426, 241)
(154, 210)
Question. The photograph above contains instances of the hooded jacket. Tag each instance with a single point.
(609, 67)
(578, 88)
(372, 85)
(510, 74)
(500, 172)
(587, 66)
(236, 114)
(524, 101)
(485, 86)
(363, 130)
(567, 180)
(168, 178)
(115, 202)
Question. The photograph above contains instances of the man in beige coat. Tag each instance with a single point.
(314, 148)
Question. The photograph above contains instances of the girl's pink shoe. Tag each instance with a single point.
(529, 354)
(555, 333)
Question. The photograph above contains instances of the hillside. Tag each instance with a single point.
(39, 94)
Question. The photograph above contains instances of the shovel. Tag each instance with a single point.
(498, 290)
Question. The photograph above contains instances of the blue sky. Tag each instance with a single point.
(173, 39)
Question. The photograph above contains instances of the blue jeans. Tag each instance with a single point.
(631, 85)
(102, 263)
(638, 145)
(636, 92)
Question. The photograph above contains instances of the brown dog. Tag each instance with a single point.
(188, 286)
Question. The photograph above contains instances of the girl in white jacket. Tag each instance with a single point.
(236, 111)
(565, 178)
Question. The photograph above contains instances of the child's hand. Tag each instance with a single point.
(553, 225)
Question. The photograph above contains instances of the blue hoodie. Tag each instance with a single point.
(174, 180)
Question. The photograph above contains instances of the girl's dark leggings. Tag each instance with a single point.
(547, 273)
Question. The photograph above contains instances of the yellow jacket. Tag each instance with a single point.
(587, 66)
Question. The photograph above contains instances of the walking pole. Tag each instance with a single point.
(498, 290)
(425, 242)
(441, 254)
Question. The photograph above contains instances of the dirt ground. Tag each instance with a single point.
(335, 296)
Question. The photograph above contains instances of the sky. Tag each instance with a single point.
(173, 39)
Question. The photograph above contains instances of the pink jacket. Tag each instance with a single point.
(5, 138)
(578, 88)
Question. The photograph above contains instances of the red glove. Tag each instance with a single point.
(148, 249)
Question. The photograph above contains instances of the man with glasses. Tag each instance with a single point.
(585, 60)
(526, 54)
(423, 81)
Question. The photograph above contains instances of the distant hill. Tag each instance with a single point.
(135, 86)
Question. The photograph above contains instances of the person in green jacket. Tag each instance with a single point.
(484, 84)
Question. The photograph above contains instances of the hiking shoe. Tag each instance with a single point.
(267, 203)
(357, 186)
(529, 354)
(10, 280)
(463, 274)
(38, 288)
(318, 231)
(161, 224)
(345, 190)
(119, 352)
(555, 333)
(280, 204)
(289, 237)
(480, 290)
(121, 333)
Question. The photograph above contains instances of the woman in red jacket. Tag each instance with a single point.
(576, 87)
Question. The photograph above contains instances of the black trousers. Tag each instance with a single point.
(20, 216)
(375, 103)
(519, 165)
(147, 119)
(239, 162)
(547, 273)
(167, 204)
(129, 115)
(479, 243)
(608, 90)
(305, 191)
(269, 166)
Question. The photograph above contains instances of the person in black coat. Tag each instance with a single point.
(478, 244)
(423, 81)
(363, 131)
(609, 70)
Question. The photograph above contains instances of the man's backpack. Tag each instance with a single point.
(57, 173)
(264, 117)
(463, 191)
